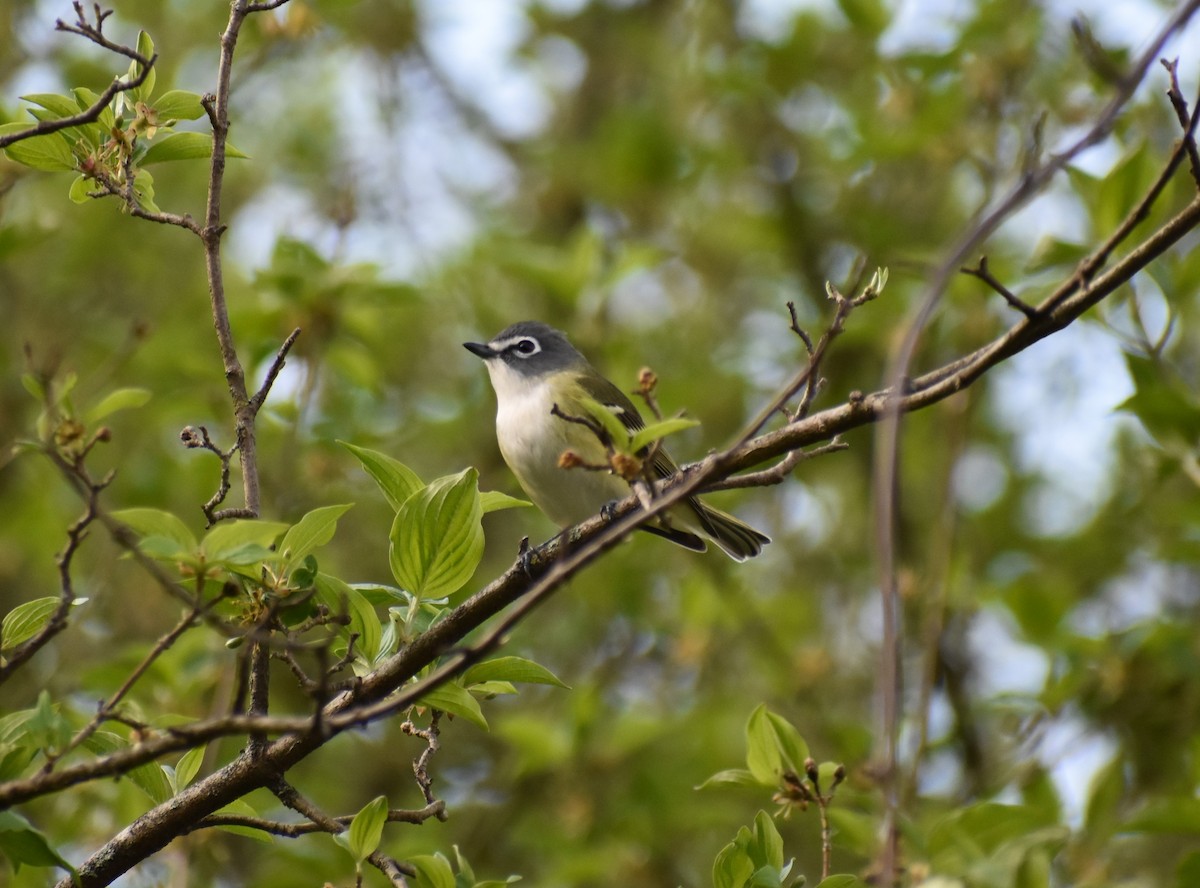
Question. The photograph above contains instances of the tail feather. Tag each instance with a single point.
(734, 537)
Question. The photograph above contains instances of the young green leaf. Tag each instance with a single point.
(514, 669)
(433, 871)
(397, 481)
(184, 146)
(842, 880)
(366, 829)
(456, 700)
(311, 532)
(179, 105)
(229, 539)
(732, 867)
(242, 808)
(609, 421)
(157, 523)
(145, 48)
(81, 190)
(494, 501)
(51, 153)
(339, 596)
(61, 106)
(25, 620)
(150, 777)
(120, 399)
(85, 98)
(437, 537)
(24, 845)
(730, 777)
(655, 431)
(773, 746)
(188, 766)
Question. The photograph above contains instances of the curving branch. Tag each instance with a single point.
(94, 33)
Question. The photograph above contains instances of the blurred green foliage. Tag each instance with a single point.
(692, 168)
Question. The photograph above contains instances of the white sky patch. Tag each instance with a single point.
(1058, 398)
(1005, 664)
(1072, 753)
(475, 42)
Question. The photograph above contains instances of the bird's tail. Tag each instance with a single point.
(735, 537)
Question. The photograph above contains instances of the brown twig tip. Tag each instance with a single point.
(626, 465)
(1187, 119)
(984, 274)
(797, 329)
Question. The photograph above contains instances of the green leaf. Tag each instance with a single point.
(338, 595)
(228, 540)
(773, 746)
(768, 844)
(47, 728)
(730, 777)
(655, 431)
(732, 867)
(437, 537)
(1178, 816)
(145, 48)
(485, 690)
(179, 105)
(34, 386)
(85, 98)
(51, 153)
(608, 420)
(242, 808)
(1105, 797)
(80, 190)
(25, 620)
(150, 777)
(311, 532)
(188, 766)
(433, 871)
(1051, 252)
(120, 399)
(157, 523)
(397, 481)
(1187, 874)
(184, 146)
(494, 501)
(867, 16)
(366, 829)
(456, 700)
(842, 880)
(62, 106)
(24, 845)
(514, 669)
(1169, 411)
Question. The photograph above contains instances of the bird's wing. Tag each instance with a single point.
(600, 389)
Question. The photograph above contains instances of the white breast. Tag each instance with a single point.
(532, 440)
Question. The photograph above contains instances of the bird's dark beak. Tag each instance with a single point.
(480, 349)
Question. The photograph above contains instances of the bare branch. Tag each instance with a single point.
(1186, 120)
(982, 272)
(273, 371)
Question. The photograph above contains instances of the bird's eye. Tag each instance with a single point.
(526, 346)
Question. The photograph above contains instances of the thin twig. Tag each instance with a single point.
(1186, 120)
(273, 371)
(106, 708)
(982, 272)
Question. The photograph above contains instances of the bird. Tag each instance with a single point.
(541, 381)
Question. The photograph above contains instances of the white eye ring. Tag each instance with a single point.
(526, 347)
